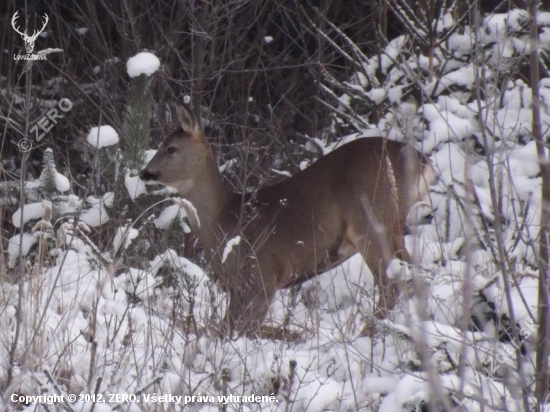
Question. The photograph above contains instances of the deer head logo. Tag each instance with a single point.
(29, 40)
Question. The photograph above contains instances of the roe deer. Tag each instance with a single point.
(354, 199)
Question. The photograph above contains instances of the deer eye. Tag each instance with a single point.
(171, 150)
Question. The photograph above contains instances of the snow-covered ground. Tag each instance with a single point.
(84, 331)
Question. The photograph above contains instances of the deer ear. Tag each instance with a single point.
(183, 117)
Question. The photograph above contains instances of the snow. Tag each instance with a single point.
(446, 23)
(406, 388)
(464, 76)
(30, 211)
(102, 136)
(155, 324)
(142, 63)
(62, 183)
(148, 155)
(134, 185)
(190, 211)
(26, 240)
(168, 215)
(124, 236)
(377, 95)
(281, 172)
(229, 247)
(445, 126)
(108, 199)
(268, 39)
(96, 214)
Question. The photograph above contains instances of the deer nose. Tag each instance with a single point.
(146, 175)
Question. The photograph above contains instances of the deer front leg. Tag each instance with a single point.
(249, 301)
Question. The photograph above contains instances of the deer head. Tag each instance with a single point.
(183, 156)
(29, 40)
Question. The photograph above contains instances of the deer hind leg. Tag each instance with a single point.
(377, 251)
(374, 253)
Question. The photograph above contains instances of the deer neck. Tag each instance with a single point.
(209, 196)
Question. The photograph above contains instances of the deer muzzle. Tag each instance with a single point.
(148, 177)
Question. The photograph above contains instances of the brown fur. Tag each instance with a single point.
(355, 199)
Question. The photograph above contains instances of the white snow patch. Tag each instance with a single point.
(13, 247)
(190, 211)
(445, 126)
(108, 199)
(229, 247)
(124, 237)
(142, 63)
(30, 211)
(168, 215)
(374, 384)
(445, 22)
(281, 172)
(377, 95)
(96, 215)
(148, 156)
(102, 136)
(134, 185)
(62, 183)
